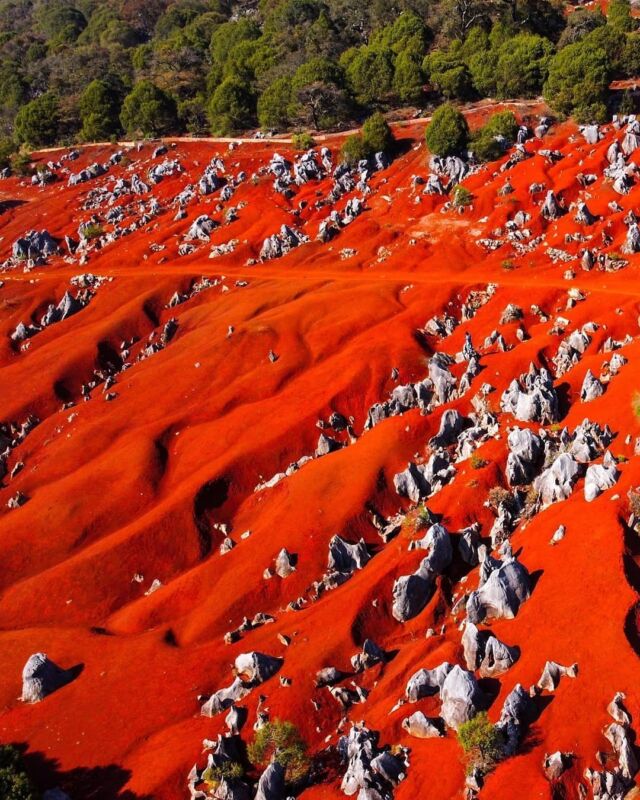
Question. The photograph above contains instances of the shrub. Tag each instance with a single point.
(7, 151)
(481, 742)
(376, 134)
(302, 141)
(477, 462)
(280, 741)
(462, 197)
(370, 73)
(21, 163)
(634, 503)
(485, 146)
(523, 65)
(353, 149)
(228, 769)
(92, 231)
(448, 132)
(14, 781)
(502, 123)
(499, 496)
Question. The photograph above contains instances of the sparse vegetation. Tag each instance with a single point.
(461, 197)
(481, 742)
(281, 741)
(228, 769)
(15, 784)
(302, 141)
(477, 462)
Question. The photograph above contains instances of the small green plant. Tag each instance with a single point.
(423, 517)
(481, 742)
(498, 496)
(281, 741)
(635, 404)
(92, 231)
(21, 163)
(14, 781)
(477, 462)
(462, 197)
(353, 149)
(508, 265)
(228, 769)
(302, 141)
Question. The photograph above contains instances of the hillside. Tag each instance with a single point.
(150, 434)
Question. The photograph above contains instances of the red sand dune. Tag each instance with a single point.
(137, 485)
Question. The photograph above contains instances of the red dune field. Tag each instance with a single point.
(142, 478)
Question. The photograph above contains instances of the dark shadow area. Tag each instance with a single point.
(88, 783)
(108, 359)
(213, 495)
(7, 205)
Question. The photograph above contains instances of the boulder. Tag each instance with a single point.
(41, 677)
(500, 596)
(427, 682)
(271, 785)
(421, 727)
(525, 456)
(556, 483)
(256, 667)
(591, 388)
(600, 477)
(411, 593)
(461, 697)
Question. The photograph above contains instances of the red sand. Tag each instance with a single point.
(112, 489)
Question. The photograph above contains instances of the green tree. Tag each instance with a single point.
(231, 108)
(448, 74)
(318, 95)
(408, 78)
(36, 123)
(631, 56)
(353, 149)
(14, 781)
(523, 65)
(274, 103)
(149, 110)
(99, 107)
(483, 67)
(370, 74)
(280, 741)
(447, 133)
(7, 149)
(619, 16)
(502, 123)
(481, 742)
(578, 81)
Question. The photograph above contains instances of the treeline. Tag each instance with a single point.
(90, 70)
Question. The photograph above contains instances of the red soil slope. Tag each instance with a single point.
(138, 485)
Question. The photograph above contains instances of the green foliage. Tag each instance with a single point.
(447, 133)
(228, 769)
(408, 78)
(14, 781)
(628, 104)
(280, 741)
(461, 197)
(619, 16)
(481, 742)
(274, 104)
(99, 107)
(318, 96)
(37, 122)
(92, 231)
(502, 123)
(370, 74)
(353, 149)
(579, 77)
(7, 150)
(148, 110)
(302, 141)
(580, 24)
(448, 74)
(523, 66)
(376, 134)
(20, 163)
(631, 56)
(230, 109)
